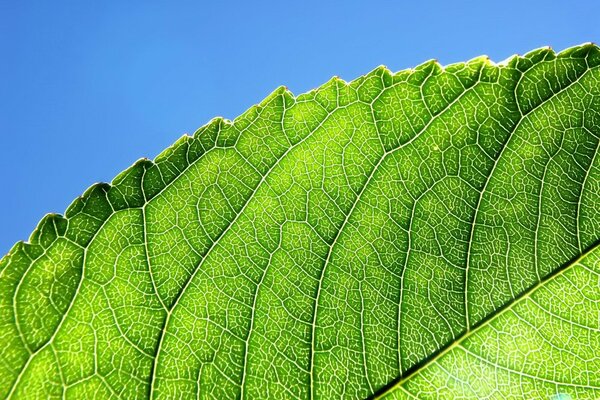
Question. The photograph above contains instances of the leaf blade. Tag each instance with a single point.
(333, 231)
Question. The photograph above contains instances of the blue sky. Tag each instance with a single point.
(88, 88)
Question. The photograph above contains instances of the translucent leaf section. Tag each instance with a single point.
(404, 234)
(543, 346)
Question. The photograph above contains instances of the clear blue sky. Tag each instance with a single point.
(87, 88)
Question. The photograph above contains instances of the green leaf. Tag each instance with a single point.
(410, 234)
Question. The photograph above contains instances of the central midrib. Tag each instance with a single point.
(482, 324)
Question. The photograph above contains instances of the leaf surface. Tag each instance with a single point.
(543, 345)
(406, 234)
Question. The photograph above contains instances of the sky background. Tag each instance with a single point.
(88, 88)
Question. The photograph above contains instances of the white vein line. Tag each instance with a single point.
(536, 249)
(404, 268)
(145, 239)
(524, 374)
(252, 319)
(356, 201)
(585, 178)
(217, 240)
(478, 207)
(64, 317)
(566, 320)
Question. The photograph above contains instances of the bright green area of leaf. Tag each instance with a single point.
(364, 236)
